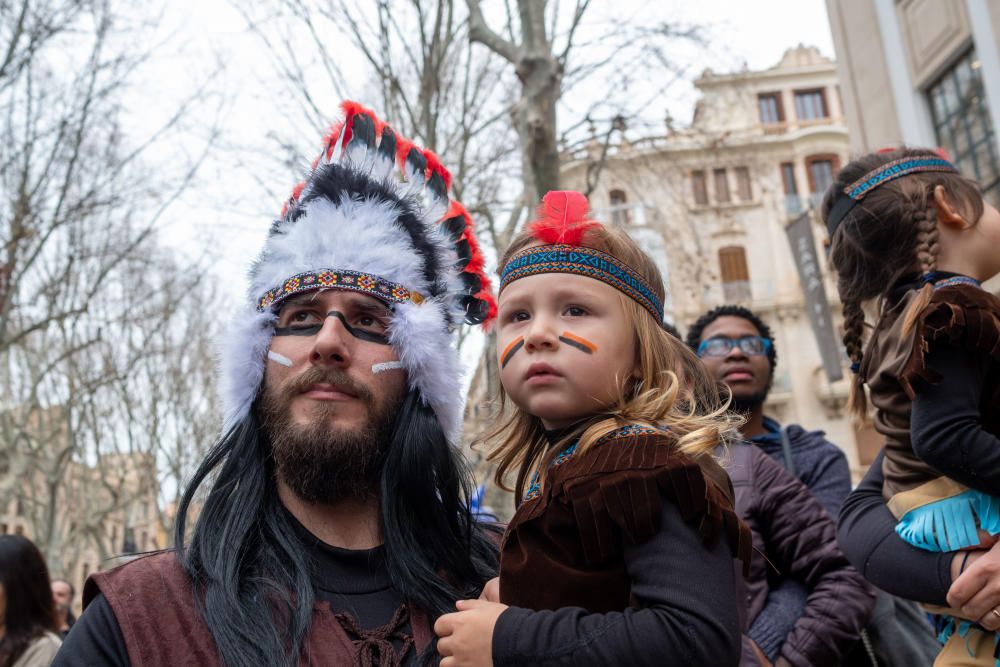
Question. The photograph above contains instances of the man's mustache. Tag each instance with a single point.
(332, 376)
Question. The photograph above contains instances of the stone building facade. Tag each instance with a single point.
(923, 72)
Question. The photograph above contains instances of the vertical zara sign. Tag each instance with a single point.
(800, 236)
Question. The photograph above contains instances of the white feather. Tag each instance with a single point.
(241, 362)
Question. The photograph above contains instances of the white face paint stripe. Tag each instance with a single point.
(387, 366)
(279, 358)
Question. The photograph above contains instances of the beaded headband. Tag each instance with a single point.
(582, 261)
(856, 191)
(355, 281)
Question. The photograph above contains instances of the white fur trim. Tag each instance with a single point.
(241, 362)
(428, 352)
(354, 236)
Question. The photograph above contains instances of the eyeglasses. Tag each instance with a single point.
(719, 346)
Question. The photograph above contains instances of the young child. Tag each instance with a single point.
(614, 554)
(907, 229)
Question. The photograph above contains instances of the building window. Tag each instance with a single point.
(19, 530)
(788, 178)
(721, 186)
(698, 188)
(962, 123)
(744, 189)
(619, 207)
(810, 104)
(820, 169)
(769, 105)
(3, 528)
(735, 274)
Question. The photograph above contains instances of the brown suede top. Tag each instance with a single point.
(563, 548)
(962, 315)
(154, 605)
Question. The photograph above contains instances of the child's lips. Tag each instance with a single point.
(540, 373)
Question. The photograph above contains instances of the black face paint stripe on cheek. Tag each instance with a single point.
(314, 329)
(511, 351)
(579, 343)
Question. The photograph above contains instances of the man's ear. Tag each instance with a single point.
(947, 214)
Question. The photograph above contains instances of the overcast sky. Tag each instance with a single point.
(228, 211)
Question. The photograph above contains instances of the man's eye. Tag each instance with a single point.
(302, 317)
(370, 323)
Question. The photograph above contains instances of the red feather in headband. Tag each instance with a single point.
(562, 218)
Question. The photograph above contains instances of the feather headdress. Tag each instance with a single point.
(374, 216)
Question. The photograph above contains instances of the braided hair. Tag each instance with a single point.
(892, 234)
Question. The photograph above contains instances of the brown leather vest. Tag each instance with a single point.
(963, 315)
(564, 547)
(154, 604)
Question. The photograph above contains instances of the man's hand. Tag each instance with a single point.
(976, 591)
(491, 591)
(465, 638)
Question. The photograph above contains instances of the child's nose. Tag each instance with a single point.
(542, 334)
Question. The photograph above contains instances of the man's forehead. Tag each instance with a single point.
(336, 297)
(731, 326)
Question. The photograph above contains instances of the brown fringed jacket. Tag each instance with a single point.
(961, 316)
(564, 546)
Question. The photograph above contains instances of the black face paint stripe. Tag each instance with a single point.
(511, 351)
(577, 344)
(314, 329)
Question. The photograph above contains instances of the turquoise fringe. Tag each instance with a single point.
(961, 626)
(950, 524)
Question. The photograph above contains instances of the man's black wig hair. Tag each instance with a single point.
(247, 565)
(694, 332)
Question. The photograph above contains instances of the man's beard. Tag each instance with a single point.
(320, 463)
(744, 404)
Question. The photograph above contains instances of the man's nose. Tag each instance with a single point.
(332, 343)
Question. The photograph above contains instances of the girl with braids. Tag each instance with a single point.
(908, 230)
(614, 555)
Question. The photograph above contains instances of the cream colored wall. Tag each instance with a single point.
(864, 78)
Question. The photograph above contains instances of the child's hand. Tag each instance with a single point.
(466, 636)
(491, 591)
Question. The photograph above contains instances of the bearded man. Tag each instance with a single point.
(336, 525)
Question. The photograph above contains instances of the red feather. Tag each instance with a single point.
(562, 218)
(403, 146)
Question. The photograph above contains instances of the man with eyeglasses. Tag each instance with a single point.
(812, 609)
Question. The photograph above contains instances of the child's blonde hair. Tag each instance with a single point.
(674, 390)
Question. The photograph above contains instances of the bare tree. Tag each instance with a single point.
(90, 299)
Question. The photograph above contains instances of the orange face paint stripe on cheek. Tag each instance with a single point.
(511, 350)
(579, 343)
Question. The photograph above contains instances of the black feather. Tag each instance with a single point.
(476, 310)
(454, 227)
(387, 147)
(417, 161)
(436, 186)
(363, 130)
(471, 284)
(464, 251)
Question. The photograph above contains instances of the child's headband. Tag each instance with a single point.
(561, 225)
(856, 191)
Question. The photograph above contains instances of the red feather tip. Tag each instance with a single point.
(434, 166)
(562, 218)
(403, 146)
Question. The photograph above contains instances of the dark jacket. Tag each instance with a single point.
(792, 530)
(818, 463)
